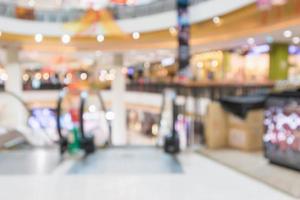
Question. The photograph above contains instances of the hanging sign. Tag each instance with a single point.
(183, 34)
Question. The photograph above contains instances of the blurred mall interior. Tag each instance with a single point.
(149, 99)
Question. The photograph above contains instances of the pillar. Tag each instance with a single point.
(17, 113)
(119, 128)
(226, 64)
(279, 62)
(14, 72)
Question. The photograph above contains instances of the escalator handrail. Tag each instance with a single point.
(162, 107)
(19, 99)
(27, 108)
(84, 96)
(58, 113)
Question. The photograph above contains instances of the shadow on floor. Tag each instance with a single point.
(28, 161)
(128, 160)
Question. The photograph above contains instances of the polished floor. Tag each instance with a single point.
(134, 161)
(29, 161)
(255, 165)
(126, 173)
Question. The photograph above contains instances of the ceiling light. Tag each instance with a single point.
(46, 76)
(214, 63)
(287, 33)
(38, 76)
(66, 39)
(31, 3)
(296, 40)
(251, 41)
(26, 77)
(92, 108)
(173, 31)
(216, 20)
(100, 38)
(168, 61)
(38, 38)
(83, 76)
(110, 115)
(136, 35)
(200, 65)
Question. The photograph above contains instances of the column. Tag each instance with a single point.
(279, 62)
(119, 128)
(14, 72)
(226, 64)
(17, 113)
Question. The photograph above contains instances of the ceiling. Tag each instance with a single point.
(234, 31)
(69, 4)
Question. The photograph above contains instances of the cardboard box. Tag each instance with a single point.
(216, 126)
(246, 134)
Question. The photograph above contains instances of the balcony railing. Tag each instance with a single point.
(210, 89)
(120, 12)
(125, 12)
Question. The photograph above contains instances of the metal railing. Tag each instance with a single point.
(212, 90)
(125, 12)
(119, 12)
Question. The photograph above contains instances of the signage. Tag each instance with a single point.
(183, 34)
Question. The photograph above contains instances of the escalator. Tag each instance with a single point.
(82, 123)
(93, 126)
(172, 128)
(14, 128)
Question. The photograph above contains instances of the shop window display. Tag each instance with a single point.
(294, 61)
(250, 65)
(142, 127)
(44, 119)
(55, 80)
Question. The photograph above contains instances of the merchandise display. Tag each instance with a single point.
(246, 134)
(216, 127)
(245, 121)
(282, 125)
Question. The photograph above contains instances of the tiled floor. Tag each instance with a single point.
(194, 177)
